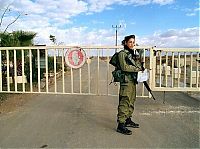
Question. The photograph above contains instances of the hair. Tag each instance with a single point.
(126, 39)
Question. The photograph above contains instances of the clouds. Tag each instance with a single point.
(63, 10)
(100, 5)
(188, 32)
(57, 17)
(163, 2)
(188, 37)
(58, 10)
(192, 12)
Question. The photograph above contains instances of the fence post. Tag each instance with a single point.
(152, 70)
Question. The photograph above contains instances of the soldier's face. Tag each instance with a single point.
(130, 43)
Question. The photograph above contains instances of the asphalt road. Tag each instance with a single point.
(68, 121)
(83, 121)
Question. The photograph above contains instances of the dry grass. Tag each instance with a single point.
(10, 102)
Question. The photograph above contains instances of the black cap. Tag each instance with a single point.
(126, 38)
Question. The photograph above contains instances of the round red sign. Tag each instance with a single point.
(75, 57)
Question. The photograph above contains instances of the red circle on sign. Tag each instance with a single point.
(75, 57)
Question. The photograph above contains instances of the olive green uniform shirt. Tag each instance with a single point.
(127, 93)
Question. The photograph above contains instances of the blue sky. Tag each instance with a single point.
(164, 23)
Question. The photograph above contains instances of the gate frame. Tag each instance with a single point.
(152, 80)
(152, 65)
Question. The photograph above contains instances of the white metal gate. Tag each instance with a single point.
(175, 69)
(42, 69)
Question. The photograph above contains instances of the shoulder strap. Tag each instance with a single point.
(126, 51)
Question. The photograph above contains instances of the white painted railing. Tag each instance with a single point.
(175, 69)
(170, 70)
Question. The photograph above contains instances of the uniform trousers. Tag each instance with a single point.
(127, 97)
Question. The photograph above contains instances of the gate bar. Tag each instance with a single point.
(179, 72)
(191, 61)
(144, 67)
(88, 64)
(166, 70)
(55, 85)
(15, 70)
(108, 70)
(31, 72)
(197, 72)
(38, 63)
(173, 69)
(98, 61)
(72, 81)
(160, 72)
(8, 72)
(63, 71)
(80, 81)
(47, 75)
(185, 62)
(23, 77)
(1, 79)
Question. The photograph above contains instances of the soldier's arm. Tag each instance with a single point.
(138, 63)
(123, 64)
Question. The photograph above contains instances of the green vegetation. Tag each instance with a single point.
(17, 39)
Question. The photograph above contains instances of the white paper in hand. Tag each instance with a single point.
(143, 76)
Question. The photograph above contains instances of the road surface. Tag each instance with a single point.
(85, 121)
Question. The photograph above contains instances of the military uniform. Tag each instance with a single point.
(127, 93)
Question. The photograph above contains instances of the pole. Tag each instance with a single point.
(116, 28)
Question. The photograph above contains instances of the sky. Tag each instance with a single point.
(160, 23)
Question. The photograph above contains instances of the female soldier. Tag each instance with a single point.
(127, 95)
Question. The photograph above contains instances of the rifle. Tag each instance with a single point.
(146, 84)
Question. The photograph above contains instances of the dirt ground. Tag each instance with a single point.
(10, 102)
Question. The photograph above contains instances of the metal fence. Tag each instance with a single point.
(43, 69)
(175, 69)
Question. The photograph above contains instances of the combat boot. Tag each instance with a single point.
(122, 129)
(130, 123)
